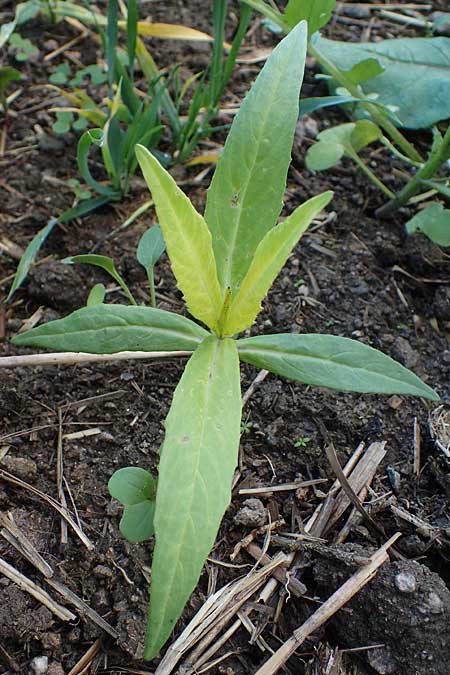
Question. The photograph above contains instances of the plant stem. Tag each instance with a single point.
(151, 281)
(380, 185)
(414, 185)
(372, 109)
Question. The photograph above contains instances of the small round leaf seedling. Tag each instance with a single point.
(135, 489)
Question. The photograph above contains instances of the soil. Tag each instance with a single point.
(352, 275)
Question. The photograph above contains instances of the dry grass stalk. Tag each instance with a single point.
(70, 358)
(9, 478)
(83, 609)
(215, 614)
(16, 538)
(87, 658)
(33, 589)
(328, 609)
(361, 475)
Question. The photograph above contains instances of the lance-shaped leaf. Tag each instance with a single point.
(198, 459)
(333, 362)
(188, 241)
(270, 257)
(246, 193)
(106, 329)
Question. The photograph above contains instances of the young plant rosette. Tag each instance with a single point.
(224, 263)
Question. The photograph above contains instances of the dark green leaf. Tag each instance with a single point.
(334, 362)
(132, 485)
(137, 524)
(106, 329)
(29, 256)
(364, 70)
(96, 295)
(151, 247)
(106, 264)
(246, 192)
(434, 222)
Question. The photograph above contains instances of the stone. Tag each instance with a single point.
(22, 467)
(51, 144)
(252, 514)
(441, 23)
(405, 582)
(39, 665)
(403, 352)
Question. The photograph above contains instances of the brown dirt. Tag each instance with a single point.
(352, 276)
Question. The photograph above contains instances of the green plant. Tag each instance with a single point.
(224, 263)
(23, 47)
(7, 76)
(394, 83)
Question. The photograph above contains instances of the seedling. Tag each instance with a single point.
(135, 489)
(150, 249)
(7, 75)
(224, 263)
(302, 442)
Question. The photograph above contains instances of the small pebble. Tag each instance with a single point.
(441, 23)
(405, 582)
(357, 12)
(39, 665)
(23, 467)
(432, 605)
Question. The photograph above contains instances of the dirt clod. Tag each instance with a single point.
(252, 514)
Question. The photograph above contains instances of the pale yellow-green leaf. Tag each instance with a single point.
(188, 241)
(270, 256)
(197, 463)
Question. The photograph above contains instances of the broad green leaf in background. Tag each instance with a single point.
(104, 263)
(96, 295)
(333, 362)
(434, 222)
(188, 241)
(316, 12)
(151, 247)
(246, 194)
(415, 78)
(270, 257)
(105, 329)
(198, 458)
(135, 488)
(343, 139)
